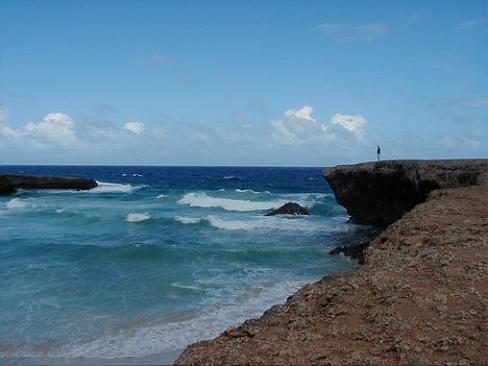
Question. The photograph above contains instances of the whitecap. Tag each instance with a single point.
(162, 196)
(17, 203)
(186, 287)
(250, 191)
(137, 175)
(104, 187)
(188, 220)
(138, 217)
(201, 199)
(279, 223)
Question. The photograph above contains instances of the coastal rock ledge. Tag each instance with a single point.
(9, 183)
(421, 298)
(379, 193)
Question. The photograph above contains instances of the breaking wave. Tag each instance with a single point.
(138, 217)
(17, 203)
(201, 199)
(104, 187)
(175, 334)
(188, 220)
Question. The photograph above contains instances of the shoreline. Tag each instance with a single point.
(409, 302)
(421, 297)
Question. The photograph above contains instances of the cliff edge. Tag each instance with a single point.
(379, 193)
(420, 298)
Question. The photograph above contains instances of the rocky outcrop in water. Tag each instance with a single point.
(10, 183)
(421, 298)
(289, 208)
(381, 192)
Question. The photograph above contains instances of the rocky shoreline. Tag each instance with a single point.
(421, 296)
(10, 183)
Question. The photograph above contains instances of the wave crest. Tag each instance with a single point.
(138, 217)
(201, 199)
(188, 220)
(17, 203)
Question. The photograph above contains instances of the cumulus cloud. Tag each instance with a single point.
(135, 127)
(305, 112)
(9, 133)
(349, 33)
(354, 124)
(300, 126)
(57, 128)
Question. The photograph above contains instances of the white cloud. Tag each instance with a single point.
(473, 23)
(298, 126)
(9, 133)
(304, 113)
(135, 127)
(3, 114)
(57, 128)
(348, 33)
(353, 124)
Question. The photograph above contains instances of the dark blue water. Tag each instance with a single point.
(156, 258)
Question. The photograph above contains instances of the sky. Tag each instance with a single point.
(251, 82)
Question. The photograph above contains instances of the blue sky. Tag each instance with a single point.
(293, 83)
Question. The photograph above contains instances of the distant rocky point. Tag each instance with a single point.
(379, 193)
(289, 208)
(10, 183)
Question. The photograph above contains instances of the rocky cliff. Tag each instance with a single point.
(10, 183)
(379, 193)
(421, 298)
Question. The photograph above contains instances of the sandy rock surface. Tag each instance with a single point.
(420, 298)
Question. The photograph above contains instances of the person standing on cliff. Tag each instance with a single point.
(378, 153)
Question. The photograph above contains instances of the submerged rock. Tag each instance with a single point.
(290, 208)
(9, 183)
(380, 193)
(355, 251)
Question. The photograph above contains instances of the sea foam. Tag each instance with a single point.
(138, 217)
(104, 187)
(17, 203)
(188, 220)
(175, 335)
(201, 199)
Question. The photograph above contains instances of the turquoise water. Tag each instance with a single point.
(157, 258)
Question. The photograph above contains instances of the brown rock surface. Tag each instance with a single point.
(379, 193)
(420, 298)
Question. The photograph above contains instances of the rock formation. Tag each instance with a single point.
(10, 183)
(421, 298)
(380, 193)
(289, 208)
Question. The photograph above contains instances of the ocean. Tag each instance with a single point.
(156, 258)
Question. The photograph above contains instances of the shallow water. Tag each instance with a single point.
(156, 258)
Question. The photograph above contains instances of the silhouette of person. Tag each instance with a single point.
(378, 153)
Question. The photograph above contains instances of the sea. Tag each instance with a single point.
(156, 258)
